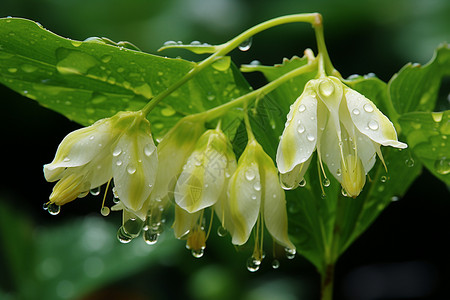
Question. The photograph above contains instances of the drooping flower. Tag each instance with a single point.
(120, 147)
(203, 181)
(255, 199)
(345, 127)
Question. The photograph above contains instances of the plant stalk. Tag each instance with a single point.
(326, 289)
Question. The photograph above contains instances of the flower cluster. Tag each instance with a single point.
(195, 169)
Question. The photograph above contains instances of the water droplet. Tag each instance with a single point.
(170, 43)
(300, 128)
(245, 45)
(356, 111)
(373, 125)
(123, 236)
(12, 70)
(254, 197)
(133, 227)
(52, 208)
(368, 107)
(310, 137)
(211, 97)
(105, 211)
(290, 253)
(409, 162)
(326, 87)
(74, 62)
(437, 116)
(344, 192)
(197, 253)
(117, 152)
(221, 231)
(151, 237)
(250, 174)
(168, 111)
(227, 174)
(222, 64)
(383, 178)
(257, 186)
(326, 182)
(95, 191)
(149, 149)
(83, 194)
(106, 58)
(302, 183)
(253, 264)
(301, 108)
(28, 68)
(131, 169)
(275, 264)
(442, 166)
(395, 198)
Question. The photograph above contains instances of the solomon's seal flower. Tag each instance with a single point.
(345, 127)
(120, 147)
(255, 198)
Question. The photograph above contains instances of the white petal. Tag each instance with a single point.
(184, 221)
(329, 150)
(331, 93)
(299, 137)
(291, 179)
(370, 120)
(173, 152)
(203, 176)
(79, 147)
(134, 167)
(275, 216)
(244, 197)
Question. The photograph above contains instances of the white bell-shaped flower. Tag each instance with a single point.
(345, 127)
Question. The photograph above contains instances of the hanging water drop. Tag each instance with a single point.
(95, 191)
(52, 208)
(197, 253)
(245, 45)
(150, 237)
(302, 183)
(344, 192)
(275, 264)
(326, 182)
(409, 162)
(123, 236)
(442, 166)
(221, 231)
(290, 253)
(105, 211)
(253, 264)
(383, 178)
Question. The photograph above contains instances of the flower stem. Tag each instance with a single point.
(326, 289)
(224, 49)
(222, 109)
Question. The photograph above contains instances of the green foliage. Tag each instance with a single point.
(94, 79)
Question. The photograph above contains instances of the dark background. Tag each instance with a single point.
(404, 255)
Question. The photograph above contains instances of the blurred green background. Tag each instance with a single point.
(75, 255)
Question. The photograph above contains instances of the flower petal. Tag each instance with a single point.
(135, 164)
(370, 120)
(275, 216)
(291, 179)
(184, 221)
(299, 137)
(79, 147)
(244, 196)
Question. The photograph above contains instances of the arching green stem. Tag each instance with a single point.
(314, 19)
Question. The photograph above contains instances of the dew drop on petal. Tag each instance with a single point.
(409, 162)
(326, 182)
(117, 151)
(119, 163)
(257, 186)
(302, 183)
(250, 174)
(395, 198)
(373, 125)
(52, 208)
(300, 128)
(356, 111)
(344, 192)
(383, 178)
(368, 108)
(310, 137)
(301, 108)
(131, 169)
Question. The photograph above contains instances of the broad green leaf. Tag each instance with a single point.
(322, 222)
(90, 80)
(415, 87)
(428, 135)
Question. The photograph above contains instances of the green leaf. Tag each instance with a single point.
(428, 135)
(90, 80)
(415, 87)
